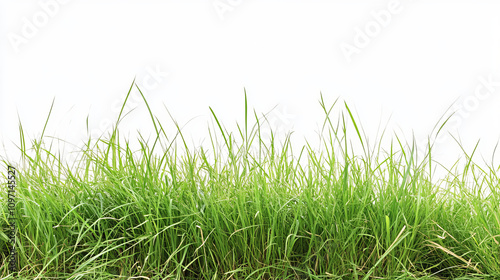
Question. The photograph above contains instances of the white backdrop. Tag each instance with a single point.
(400, 63)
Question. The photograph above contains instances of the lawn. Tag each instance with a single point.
(250, 208)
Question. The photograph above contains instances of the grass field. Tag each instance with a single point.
(250, 209)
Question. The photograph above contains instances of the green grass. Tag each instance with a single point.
(251, 209)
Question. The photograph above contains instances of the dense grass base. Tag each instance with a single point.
(248, 209)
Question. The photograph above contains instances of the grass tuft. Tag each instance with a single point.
(250, 209)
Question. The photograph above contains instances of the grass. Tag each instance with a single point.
(251, 209)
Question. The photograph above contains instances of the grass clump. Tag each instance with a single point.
(251, 209)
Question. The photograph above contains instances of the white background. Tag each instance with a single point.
(397, 64)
